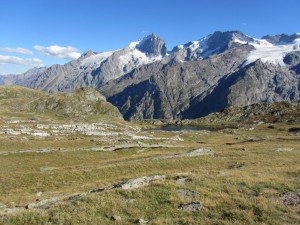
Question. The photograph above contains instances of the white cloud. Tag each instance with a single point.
(60, 52)
(5, 59)
(17, 50)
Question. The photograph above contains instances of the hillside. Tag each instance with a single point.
(82, 104)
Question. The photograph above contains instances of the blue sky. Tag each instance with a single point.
(46, 32)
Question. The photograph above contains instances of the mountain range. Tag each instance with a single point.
(145, 80)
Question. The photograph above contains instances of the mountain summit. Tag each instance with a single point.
(152, 45)
(215, 43)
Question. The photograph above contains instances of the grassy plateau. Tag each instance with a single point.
(60, 169)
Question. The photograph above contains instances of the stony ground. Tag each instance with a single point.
(55, 172)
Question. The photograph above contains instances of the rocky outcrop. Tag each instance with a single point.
(191, 207)
(267, 112)
(139, 182)
(292, 58)
(291, 199)
(260, 82)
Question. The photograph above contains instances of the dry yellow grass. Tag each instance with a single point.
(241, 184)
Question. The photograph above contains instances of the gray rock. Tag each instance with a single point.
(43, 204)
(191, 207)
(291, 198)
(116, 218)
(197, 152)
(139, 182)
(292, 58)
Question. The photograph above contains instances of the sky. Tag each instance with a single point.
(37, 33)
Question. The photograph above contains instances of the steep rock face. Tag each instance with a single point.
(168, 90)
(292, 58)
(152, 46)
(281, 38)
(257, 82)
(265, 83)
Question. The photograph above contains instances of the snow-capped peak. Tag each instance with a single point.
(137, 53)
(212, 44)
(152, 46)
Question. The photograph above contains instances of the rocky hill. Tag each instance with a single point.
(279, 112)
(81, 104)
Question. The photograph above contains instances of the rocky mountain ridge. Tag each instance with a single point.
(145, 80)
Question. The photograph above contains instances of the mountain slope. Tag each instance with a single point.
(257, 82)
(93, 69)
(167, 90)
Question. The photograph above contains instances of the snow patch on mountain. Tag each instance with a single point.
(195, 45)
(136, 58)
(239, 41)
(269, 53)
(133, 45)
(95, 60)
